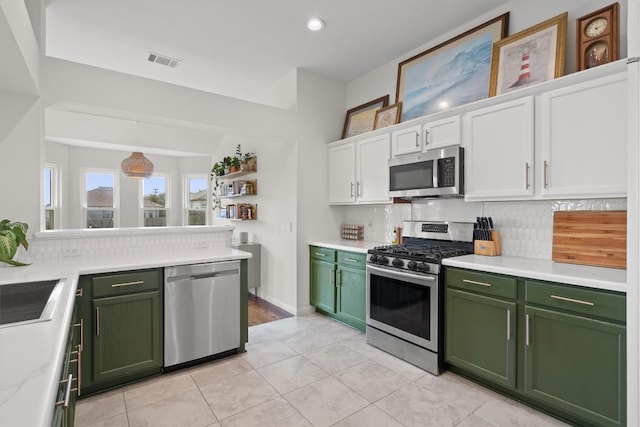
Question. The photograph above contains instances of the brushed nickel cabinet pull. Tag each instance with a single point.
(576, 301)
(526, 174)
(351, 260)
(79, 292)
(339, 278)
(79, 372)
(473, 282)
(508, 325)
(98, 321)
(352, 189)
(81, 345)
(546, 166)
(319, 254)
(526, 332)
(333, 277)
(120, 285)
(358, 194)
(67, 393)
(426, 132)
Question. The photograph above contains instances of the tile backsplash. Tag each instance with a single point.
(49, 246)
(526, 227)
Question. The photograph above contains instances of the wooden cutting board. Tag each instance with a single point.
(596, 238)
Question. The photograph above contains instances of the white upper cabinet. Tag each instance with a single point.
(359, 171)
(442, 133)
(499, 154)
(405, 141)
(583, 140)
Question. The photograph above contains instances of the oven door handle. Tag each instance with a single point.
(396, 273)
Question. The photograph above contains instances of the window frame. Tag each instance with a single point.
(167, 201)
(185, 198)
(55, 196)
(116, 195)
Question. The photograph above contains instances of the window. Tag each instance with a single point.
(195, 200)
(100, 198)
(51, 196)
(155, 201)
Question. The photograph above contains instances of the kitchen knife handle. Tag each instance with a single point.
(526, 175)
(508, 325)
(526, 331)
(546, 166)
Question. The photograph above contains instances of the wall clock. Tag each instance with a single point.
(598, 37)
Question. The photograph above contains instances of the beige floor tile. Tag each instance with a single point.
(291, 374)
(475, 421)
(414, 405)
(234, 395)
(266, 353)
(512, 414)
(219, 370)
(309, 340)
(184, 409)
(119, 420)
(336, 358)
(400, 366)
(274, 413)
(451, 389)
(96, 408)
(360, 345)
(372, 380)
(325, 402)
(147, 392)
(371, 416)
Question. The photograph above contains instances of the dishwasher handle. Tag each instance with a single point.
(207, 275)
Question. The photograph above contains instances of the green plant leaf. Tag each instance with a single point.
(8, 245)
(13, 262)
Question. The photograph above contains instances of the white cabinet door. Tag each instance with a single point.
(499, 157)
(584, 139)
(406, 141)
(442, 133)
(342, 173)
(372, 170)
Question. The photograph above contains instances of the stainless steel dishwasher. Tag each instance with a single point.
(201, 311)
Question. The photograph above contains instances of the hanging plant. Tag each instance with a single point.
(12, 235)
(216, 172)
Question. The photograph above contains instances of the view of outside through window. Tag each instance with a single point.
(155, 201)
(100, 201)
(49, 212)
(197, 203)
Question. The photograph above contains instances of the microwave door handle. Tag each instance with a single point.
(434, 169)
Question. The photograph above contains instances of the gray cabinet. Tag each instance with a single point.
(253, 263)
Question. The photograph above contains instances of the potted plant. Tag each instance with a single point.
(216, 172)
(12, 235)
(234, 164)
(226, 161)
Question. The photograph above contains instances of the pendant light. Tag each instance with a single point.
(137, 165)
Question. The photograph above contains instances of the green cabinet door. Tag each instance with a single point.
(352, 288)
(480, 336)
(576, 364)
(323, 288)
(128, 335)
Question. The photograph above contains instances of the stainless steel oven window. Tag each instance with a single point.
(404, 305)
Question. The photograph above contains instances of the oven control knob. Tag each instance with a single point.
(382, 260)
(373, 258)
(423, 267)
(398, 263)
(412, 265)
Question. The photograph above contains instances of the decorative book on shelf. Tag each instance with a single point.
(239, 211)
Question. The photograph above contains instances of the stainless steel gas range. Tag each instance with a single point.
(405, 291)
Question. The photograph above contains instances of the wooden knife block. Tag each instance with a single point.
(488, 247)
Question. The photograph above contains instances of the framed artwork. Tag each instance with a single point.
(531, 56)
(453, 73)
(388, 116)
(360, 119)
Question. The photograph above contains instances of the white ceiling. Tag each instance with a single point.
(240, 48)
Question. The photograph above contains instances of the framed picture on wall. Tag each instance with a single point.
(388, 116)
(360, 119)
(531, 56)
(450, 74)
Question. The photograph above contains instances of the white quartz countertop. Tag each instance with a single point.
(611, 279)
(31, 354)
(361, 246)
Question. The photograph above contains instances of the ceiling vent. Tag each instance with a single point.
(163, 60)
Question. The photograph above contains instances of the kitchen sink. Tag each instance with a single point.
(28, 302)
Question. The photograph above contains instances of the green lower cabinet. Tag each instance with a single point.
(352, 289)
(323, 285)
(128, 335)
(480, 336)
(576, 364)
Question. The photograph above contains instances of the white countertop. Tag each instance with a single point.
(611, 279)
(361, 246)
(31, 354)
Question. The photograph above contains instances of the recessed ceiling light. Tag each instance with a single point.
(315, 24)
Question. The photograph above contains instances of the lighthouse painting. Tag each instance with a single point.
(532, 56)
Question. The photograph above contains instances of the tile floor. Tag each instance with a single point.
(305, 371)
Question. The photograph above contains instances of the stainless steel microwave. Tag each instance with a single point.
(434, 173)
